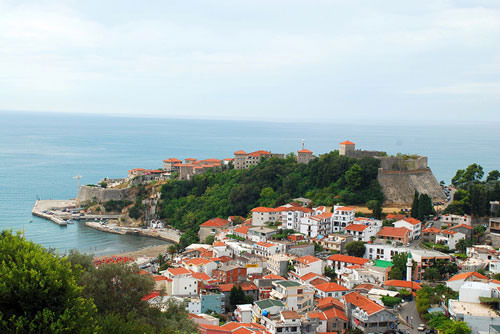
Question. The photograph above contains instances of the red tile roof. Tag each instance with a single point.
(329, 302)
(172, 160)
(150, 296)
(434, 230)
(330, 287)
(158, 278)
(461, 225)
(347, 142)
(259, 153)
(240, 152)
(365, 286)
(245, 286)
(178, 271)
(242, 229)
(466, 276)
(329, 314)
(403, 284)
(218, 243)
(345, 208)
(304, 151)
(263, 209)
(196, 261)
(395, 216)
(294, 208)
(398, 232)
(412, 221)
(215, 222)
(307, 259)
(201, 276)
(364, 303)
(272, 276)
(356, 227)
(265, 244)
(348, 259)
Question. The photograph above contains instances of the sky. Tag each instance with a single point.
(275, 60)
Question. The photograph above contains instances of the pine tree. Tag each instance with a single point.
(414, 206)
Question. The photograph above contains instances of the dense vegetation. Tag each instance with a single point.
(40, 292)
(474, 194)
(422, 206)
(326, 180)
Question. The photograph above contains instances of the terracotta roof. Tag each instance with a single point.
(466, 276)
(412, 221)
(272, 276)
(317, 281)
(329, 314)
(215, 222)
(347, 142)
(307, 259)
(328, 302)
(150, 296)
(245, 286)
(201, 276)
(265, 244)
(197, 261)
(242, 229)
(218, 243)
(290, 315)
(448, 232)
(364, 303)
(294, 208)
(432, 230)
(263, 209)
(158, 278)
(396, 216)
(388, 231)
(259, 153)
(190, 159)
(461, 225)
(345, 208)
(172, 160)
(356, 227)
(324, 215)
(308, 276)
(365, 286)
(403, 284)
(240, 152)
(348, 259)
(304, 151)
(178, 271)
(331, 287)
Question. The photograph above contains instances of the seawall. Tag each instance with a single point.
(164, 234)
(100, 194)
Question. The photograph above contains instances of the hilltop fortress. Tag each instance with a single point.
(399, 176)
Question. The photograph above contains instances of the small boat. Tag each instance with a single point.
(70, 221)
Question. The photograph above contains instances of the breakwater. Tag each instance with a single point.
(162, 234)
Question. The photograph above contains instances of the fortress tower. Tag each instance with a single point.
(347, 147)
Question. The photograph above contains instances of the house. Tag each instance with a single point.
(200, 265)
(206, 302)
(249, 290)
(203, 319)
(295, 296)
(262, 215)
(356, 275)
(398, 234)
(243, 313)
(465, 229)
(452, 220)
(308, 264)
(342, 216)
(367, 315)
(212, 227)
(412, 224)
(320, 224)
(335, 242)
(423, 259)
(395, 217)
(330, 289)
(182, 282)
(266, 307)
(168, 164)
(458, 280)
(361, 232)
(429, 234)
(241, 231)
(312, 279)
(289, 322)
(233, 328)
(244, 160)
(332, 320)
(265, 249)
(260, 233)
(400, 284)
(304, 156)
(449, 238)
(278, 264)
(292, 216)
(253, 263)
(265, 285)
(339, 262)
(301, 250)
(383, 251)
(230, 273)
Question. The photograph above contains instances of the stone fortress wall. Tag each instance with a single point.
(400, 176)
(102, 195)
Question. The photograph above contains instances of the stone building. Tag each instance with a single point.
(244, 160)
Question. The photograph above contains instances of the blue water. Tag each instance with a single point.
(41, 152)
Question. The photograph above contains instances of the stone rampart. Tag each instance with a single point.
(100, 194)
(399, 186)
(401, 164)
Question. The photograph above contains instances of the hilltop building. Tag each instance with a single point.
(244, 160)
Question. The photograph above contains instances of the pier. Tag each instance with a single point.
(59, 212)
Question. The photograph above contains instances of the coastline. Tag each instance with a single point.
(165, 234)
(151, 251)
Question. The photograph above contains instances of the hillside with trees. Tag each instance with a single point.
(326, 180)
(474, 193)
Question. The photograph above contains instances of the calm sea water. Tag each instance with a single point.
(40, 153)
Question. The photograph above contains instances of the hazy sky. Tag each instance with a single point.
(270, 60)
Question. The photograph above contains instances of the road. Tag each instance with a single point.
(409, 311)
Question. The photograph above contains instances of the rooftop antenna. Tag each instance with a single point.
(302, 143)
(78, 177)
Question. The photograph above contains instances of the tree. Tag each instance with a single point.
(398, 271)
(210, 239)
(117, 288)
(237, 296)
(462, 245)
(414, 206)
(494, 175)
(172, 250)
(390, 301)
(268, 197)
(39, 292)
(432, 274)
(353, 177)
(376, 208)
(355, 248)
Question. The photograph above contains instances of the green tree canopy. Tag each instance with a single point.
(39, 292)
(355, 248)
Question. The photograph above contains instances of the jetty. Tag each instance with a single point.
(60, 211)
(162, 234)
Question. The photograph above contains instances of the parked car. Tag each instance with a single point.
(421, 327)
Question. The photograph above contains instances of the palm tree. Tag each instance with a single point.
(172, 250)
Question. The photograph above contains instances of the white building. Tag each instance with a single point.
(243, 313)
(456, 220)
(183, 283)
(266, 249)
(262, 215)
(316, 225)
(449, 238)
(340, 262)
(292, 216)
(342, 216)
(412, 224)
(308, 264)
(360, 232)
(200, 265)
(295, 296)
(330, 290)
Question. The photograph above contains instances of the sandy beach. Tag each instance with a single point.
(152, 251)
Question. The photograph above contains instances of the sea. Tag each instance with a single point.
(41, 153)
